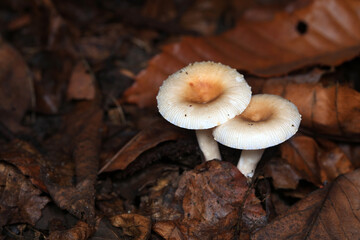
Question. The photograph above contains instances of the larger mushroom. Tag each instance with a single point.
(201, 96)
(268, 121)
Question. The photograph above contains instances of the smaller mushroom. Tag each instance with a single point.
(201, 96)
(268, 121)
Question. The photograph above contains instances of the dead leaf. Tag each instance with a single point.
(20, 201)
(16, 87)
(157, 133)
(81, 231)
(328, 213)
(214, 198)
(331, 110)
(305, 158)
(26, 158)
(134, 225)
(81, 85)
(290, 40)
(74, 152)
(105, 231)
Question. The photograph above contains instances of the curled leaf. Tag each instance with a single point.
(134, 225)
(148, 138)
(214, 197)
(304, 158)
(20, 201)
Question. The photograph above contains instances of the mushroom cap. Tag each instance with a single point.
(267, 121)
(203, 95)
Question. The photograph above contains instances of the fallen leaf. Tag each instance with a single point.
(16, 87)
(134, 225)
(105, 230)
(81, 85)
(20, 201)
(328, 213)
(74, 152)
(214, 198)
(81, 231)
(305, 158)
(290, 40)
(157, 133)
(331, 110)
(26, 158)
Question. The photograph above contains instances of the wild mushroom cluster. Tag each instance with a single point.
(215, 100)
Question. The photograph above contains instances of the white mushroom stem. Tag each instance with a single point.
(248, 161)
(208, 145)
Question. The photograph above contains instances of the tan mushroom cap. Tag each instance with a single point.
(267, 121)
(203, 95)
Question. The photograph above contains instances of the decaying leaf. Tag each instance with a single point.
(134, 225)
(81, 231)
(290, 40)
(74, 151)
(214, 198)
(332, 110)
(26, 158)
(305, 158)
(20, 201)
(157, 133)
(16, 89)
(328, 213)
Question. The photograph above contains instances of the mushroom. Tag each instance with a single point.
(268, 121)
(202, 96)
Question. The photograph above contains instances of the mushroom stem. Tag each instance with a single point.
(208, 145)
(248, 161)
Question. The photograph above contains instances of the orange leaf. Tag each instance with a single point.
(323, 32)
(330, 109)
(146, 139)
(304, 158)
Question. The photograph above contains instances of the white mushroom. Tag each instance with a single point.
(201, 96)
(268, 121)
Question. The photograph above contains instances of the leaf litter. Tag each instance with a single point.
(67, 68)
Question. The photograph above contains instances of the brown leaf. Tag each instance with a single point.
(134, 225)
(329, 213)
(306, 36)
(81, 85)
(212, 196)
(148, 138)
(331, 110)
(20, 201)
(304, 158)
(77, 143)
(16, 89)
(81, 231)
(26, 158)
(105, 230)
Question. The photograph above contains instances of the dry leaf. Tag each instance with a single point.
(328, 213)
(81, 231)
(212, 196)
(148, 138)
(133, 225)
(290, 40)
(305, 158)
(16, 87)
(332, 110)
(26, 158)
(74, 152)
(20, 201)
